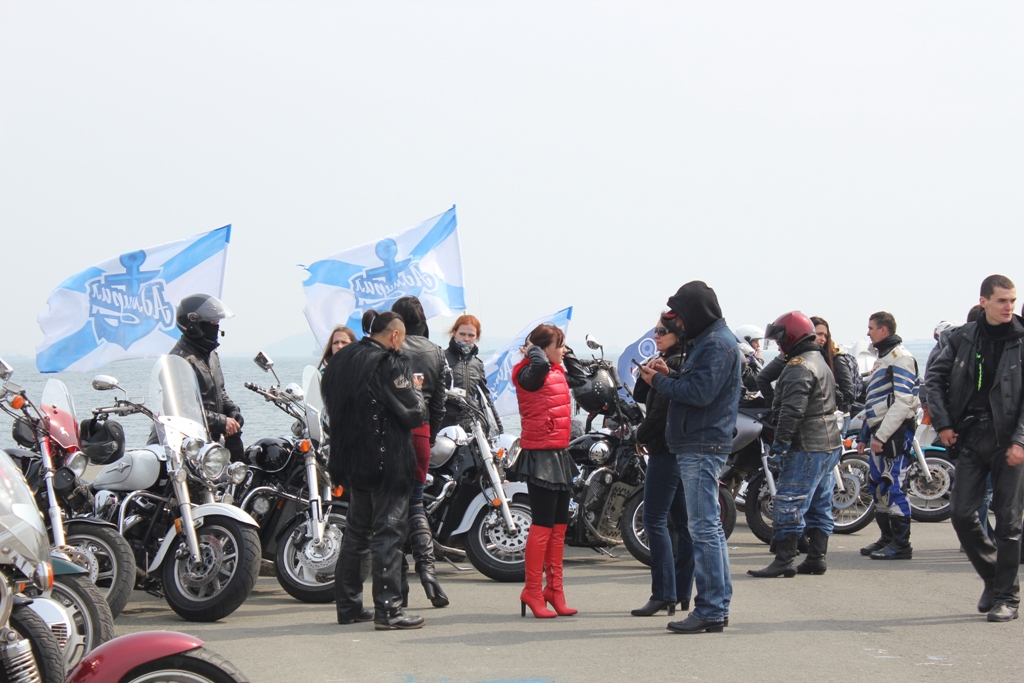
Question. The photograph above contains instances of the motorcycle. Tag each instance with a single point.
(151, 656)
(473, 512)
(749, 473)
(203, 559)
(288, 491)
(53, 462)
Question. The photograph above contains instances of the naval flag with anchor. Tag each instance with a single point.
(498, 368)
(124, 308)
(424, 261)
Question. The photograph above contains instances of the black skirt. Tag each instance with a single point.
(548, 469)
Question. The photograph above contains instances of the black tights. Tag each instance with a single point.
(549, 507)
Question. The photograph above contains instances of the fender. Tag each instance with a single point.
(477, 504)
(334, 506)
(113, 660)
(95, 521)
(64, 566)
(198, 512)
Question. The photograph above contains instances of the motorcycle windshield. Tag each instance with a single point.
(314, 402)
(174, 399)
(59, 410)
(21, 525)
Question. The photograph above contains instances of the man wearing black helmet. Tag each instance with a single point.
(198, 318)
(807, 443)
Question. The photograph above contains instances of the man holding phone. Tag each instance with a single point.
(704, 399)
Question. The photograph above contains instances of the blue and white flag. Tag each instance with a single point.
(424, 261)
(124, 307)
(498, 367)
(640, 351)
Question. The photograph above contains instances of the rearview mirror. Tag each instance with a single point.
(5, 370)
(105, 383)
(592, 343)
(263, 361)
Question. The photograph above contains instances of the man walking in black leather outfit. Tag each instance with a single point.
(373, 402)
(975, 398)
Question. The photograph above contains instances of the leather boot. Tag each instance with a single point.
(405, 580)
(899, 548)
(423, 552)
(817, 548)
(885, 539)
(554, 593)
(783, 564)
(533, 595)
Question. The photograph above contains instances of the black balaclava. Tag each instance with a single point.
(209, 340)
(697, 305)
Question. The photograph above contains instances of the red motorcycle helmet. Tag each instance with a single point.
(789, 329)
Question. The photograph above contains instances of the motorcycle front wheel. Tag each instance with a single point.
(495, 552)
(111, 561)
(91, 621)
(306, 571)
(929, 500)
(195, 666)
(758, 508)
(45, 647)
(853, 508)
(226, 572)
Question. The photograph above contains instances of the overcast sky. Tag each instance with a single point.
(837, 158)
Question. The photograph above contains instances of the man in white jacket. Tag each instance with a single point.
(890, 421)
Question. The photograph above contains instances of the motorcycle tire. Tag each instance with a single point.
(929, 500)
(205, 598)
(112, 562)
(758, 508)
(195, 666)
(92, 622)
(495, 553)
(854, 508)
(45, 648)
(631, 528)
(727, 505)
(313, 584)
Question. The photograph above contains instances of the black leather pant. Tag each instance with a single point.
(978, 454)
(377, 525)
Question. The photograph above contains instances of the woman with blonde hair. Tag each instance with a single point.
(341, 336)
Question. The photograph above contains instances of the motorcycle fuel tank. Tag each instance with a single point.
(136, 470)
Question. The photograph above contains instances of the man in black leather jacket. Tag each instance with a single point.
(976, 402)
(373, 402)
(808, 444)
(198, 318)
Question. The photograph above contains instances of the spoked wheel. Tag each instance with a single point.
(496, 552)
(195, 666)
(226, 573)
(758, 508)
(853, 508)
(929, 500)
(631, 526)
(110, 561)
(304, 569)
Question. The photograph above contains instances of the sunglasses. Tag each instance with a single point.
(661, 331)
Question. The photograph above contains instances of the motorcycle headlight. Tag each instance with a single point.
(77, 463)
(599, 452)
(190, 449)
(212, 461)
(508, 447)
(237, 472)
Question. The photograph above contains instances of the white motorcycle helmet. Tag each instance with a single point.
(749, 333)
(943, 326)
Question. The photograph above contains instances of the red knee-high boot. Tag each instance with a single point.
(536, 548)
(554, 592)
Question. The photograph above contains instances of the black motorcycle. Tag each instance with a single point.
(288, 491)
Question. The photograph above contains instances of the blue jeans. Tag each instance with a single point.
(803, 498)
(699, 472)
(671, 577)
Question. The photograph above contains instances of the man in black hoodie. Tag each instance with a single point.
(976, 401)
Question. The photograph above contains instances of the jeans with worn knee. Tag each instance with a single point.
(803, 494)
(699, 473)
(671, 573)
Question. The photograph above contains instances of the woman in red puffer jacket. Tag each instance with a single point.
(545, 405)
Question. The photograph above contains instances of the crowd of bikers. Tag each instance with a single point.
(385, 400)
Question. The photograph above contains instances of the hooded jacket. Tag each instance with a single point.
(705, 393)
(951, 378)
(216, 403)
(372, 406)
(467, 374)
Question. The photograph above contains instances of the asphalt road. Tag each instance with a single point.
(863, 620)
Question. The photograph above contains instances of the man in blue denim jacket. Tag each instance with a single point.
(704, 397)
